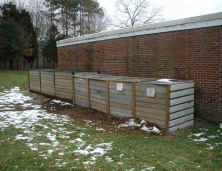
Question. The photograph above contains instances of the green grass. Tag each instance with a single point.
(9, 79)
(139, 151)
(129, 150)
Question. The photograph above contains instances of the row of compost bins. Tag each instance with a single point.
(55, 83)
(166, 103)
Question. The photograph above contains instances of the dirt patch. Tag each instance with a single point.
(95, 119)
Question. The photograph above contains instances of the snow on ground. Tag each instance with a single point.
(210, 139)
(47, 133)
(60, 103)
(142, 124)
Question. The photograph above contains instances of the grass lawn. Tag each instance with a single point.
(33, 139)
(9, 79)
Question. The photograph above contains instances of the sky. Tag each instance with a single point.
(175, 9)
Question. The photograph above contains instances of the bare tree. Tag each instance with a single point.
(135, 12)
(40, 17)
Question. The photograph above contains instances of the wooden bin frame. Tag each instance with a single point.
(133, 87)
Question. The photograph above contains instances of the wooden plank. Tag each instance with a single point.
(98, 93)
(98, 99)
(120, 112)
(115, 104)
(180, 100)
(151, 112)
(73, 90)
(155, 100)
(181, 120)
(120, 100)
(183, 125)
(134, 99)
(181, 86)
(98, 106)
(88, 87)
(167, 107)
(151, 105)
(183, 106)
(180, 93)
(181, 113)
(108, 96)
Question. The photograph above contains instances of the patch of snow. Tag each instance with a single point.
(212, 136)
(50, 152)
(79, 140)
(34, 148)
(61, 154)
(129, 123)
(22, 137)
(32, 123)
(143, 122)
(149, 168)
(210, 148)
(108, 159)
(68, 132)
(132, 122)
(198, 134)
(61, 103)
(165, 80)
(51, 137)
(200, 140)
(100, 129)
(150, 129)
(13, 97)
(131, 169)
(99, 151)
(64, 137)
(93, 158)
(72, 141)
(81, 134)
(104, 144)
(89, 147)
(88, 163)
(83, 152)
(171, 162)
(30, 145)
(44, 144)
(123, 125)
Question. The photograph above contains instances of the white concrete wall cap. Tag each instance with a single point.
(175, 25)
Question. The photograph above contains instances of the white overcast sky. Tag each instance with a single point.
(176, 9)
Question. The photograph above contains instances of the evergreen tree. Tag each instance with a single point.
(76, 17)
(18, 38)
(49, 50)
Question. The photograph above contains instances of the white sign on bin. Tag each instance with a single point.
(119, 86)
(151, 92)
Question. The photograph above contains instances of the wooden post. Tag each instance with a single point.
(134, 99)
(167, 107)
(107, 96)
(89, 98)
(73, 90)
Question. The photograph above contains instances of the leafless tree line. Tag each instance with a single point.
(132, 13)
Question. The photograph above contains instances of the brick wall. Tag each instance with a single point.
(189, 54)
